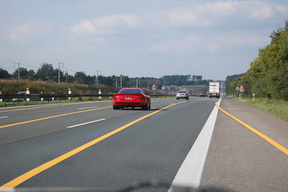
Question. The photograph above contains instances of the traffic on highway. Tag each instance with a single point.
(90, 145)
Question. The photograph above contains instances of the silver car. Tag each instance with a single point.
(182, 94)
(20, 98)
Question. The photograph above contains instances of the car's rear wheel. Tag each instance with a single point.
(147, 107)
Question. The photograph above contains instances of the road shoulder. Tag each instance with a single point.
(240, 160)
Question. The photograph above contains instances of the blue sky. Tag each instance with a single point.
(150, 38)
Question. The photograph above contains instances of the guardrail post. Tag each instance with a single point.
(69, 92)
(28, 93)
(99, 92)
(52, 96)
(41, 96)
(1, 100)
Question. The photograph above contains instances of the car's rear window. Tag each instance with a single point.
(130, 91)
(181, 91)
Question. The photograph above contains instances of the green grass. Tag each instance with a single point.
(277, 108)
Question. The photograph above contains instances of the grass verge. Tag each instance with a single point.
(277, 108)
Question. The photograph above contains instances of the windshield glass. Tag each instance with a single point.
(104, 93)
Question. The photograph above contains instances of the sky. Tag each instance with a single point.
(151, 38)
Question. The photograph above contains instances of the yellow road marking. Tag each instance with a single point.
(22, 178)
(268, 139)
(50, 117)
(46, 106)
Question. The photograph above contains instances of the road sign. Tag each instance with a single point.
(241, 88)
(154, 87)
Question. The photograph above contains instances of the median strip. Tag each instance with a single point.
(24, 177)
(266, 138)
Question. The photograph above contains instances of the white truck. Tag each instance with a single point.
(214, 89)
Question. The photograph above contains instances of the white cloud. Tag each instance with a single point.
(210, 13)
(264, 10)
(210, 44)
(204, 14)
(104, 25)
(28, 31)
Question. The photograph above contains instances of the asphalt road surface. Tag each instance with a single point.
(150, 144)
(91, 145)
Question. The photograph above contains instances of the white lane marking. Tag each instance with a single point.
(89, 122)
(87, 107)
(4, 117)
(190, 172)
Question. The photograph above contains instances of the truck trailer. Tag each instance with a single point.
(214, 89)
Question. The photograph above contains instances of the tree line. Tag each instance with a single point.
(47, 73)
(268, 73)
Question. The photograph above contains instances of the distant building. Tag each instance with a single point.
(197, 78)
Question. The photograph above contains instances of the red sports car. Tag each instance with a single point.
(131, 97)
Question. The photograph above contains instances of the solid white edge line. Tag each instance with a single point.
(190, 172)
(72, 126)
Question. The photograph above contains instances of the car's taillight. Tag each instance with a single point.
(141, 98)
(117, 97)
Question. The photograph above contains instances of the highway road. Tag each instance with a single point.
(91, 145)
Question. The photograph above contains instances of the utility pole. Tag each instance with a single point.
(115, 82)
(59, 71)
(18, 69)
(96, 80)
(121, 80)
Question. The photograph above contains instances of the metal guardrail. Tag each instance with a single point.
(51, 97)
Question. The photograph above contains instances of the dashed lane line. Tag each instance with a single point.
(51, 117)
(86, 123)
